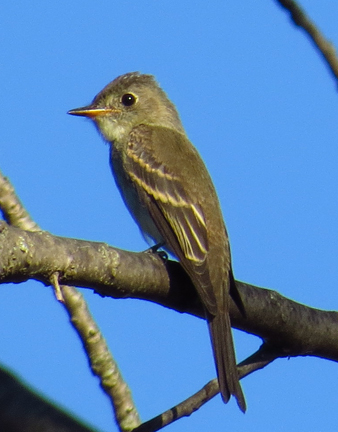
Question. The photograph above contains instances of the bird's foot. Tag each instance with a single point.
(155, 249)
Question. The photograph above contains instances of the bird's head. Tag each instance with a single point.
(128, 101)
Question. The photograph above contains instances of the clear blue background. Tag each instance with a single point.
(261, 107)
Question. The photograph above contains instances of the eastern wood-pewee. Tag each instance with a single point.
(167, 189)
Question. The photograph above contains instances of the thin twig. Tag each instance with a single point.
(325, 47)
(54, 280)
(10, 205)
(257, 361)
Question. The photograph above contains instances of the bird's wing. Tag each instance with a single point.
(177, 216)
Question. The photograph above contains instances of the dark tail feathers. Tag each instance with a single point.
(224, 354)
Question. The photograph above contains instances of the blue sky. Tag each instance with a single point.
(261, 107)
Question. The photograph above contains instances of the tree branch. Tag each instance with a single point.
(291, 328)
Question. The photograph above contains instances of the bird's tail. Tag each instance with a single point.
(224, 354)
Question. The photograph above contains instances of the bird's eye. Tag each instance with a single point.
(128, 99)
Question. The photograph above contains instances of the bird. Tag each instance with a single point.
(167, 189)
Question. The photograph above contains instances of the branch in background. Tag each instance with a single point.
(100, 359)
(23, 410)
(325, 47)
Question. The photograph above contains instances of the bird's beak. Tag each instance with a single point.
(91, 112)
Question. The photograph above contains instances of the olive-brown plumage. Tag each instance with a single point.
(168, 190)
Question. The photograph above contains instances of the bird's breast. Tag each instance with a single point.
(135, 203)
